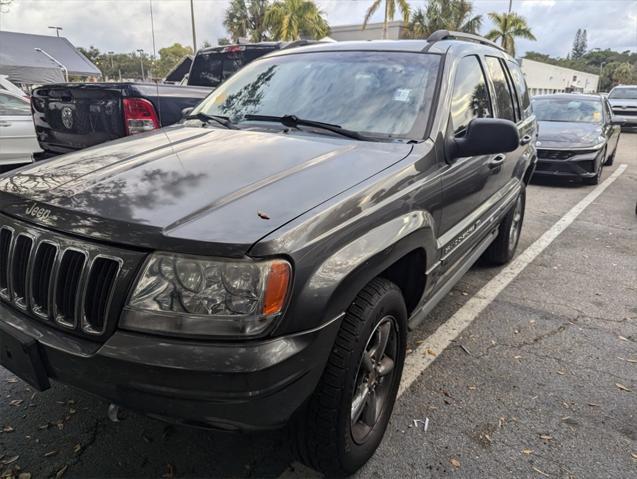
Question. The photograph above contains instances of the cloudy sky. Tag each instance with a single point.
(124, 25)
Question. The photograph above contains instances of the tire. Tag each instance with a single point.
(611, 158)
(503, 248)
(325, 435)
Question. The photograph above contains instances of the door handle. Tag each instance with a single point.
(526, 139)
(496, 161)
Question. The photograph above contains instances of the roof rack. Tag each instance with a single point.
(439, 35)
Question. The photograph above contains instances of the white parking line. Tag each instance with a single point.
(421, 358)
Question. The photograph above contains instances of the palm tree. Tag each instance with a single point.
(294, 19)
(390, 12)
(454, 15)
(508, 27)
(246, 18)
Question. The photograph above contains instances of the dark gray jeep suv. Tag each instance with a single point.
(260, 263)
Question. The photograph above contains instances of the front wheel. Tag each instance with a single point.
(344, 422)
(503, 248)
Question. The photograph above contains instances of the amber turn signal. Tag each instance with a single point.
(276, 288)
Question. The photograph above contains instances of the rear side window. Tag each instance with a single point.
(470, 95)
(503, 99)
(213, 68)
(522, 90)
(11, 106)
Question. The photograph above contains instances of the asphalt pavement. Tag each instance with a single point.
(541, 383)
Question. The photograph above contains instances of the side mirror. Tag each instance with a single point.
(187, 111)
(486, 136)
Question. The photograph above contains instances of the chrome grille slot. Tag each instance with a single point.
(41, 278)
(5, 245)
(19, 268)
(97, 298)
(66, 281)
(68, 285)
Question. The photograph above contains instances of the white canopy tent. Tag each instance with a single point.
(41, 59)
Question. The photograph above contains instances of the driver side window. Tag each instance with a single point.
(470, 95)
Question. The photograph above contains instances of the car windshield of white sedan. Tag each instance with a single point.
(577, 111)
(385, 94)
(623, 94)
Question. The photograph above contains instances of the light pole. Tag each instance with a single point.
(62, 67)
(57, 30)
(141, 61)
(192, 21)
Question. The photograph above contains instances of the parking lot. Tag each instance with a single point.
(541, 383)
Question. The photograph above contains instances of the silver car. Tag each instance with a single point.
(17, 133)
(623, 101)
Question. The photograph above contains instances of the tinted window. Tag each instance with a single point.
(607, 111)
(213, 68)
(503, 99)
(12, 106)
(388, 94)
(470, 95)
(520, 86)
(570, 110)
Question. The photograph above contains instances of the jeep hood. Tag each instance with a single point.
(200, 190)
(565, 135)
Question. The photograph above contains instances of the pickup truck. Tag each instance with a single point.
(73, 116)
(260, 263)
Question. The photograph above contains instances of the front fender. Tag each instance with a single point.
(334, 284)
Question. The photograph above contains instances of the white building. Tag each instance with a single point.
(373, 31)
(543, 79)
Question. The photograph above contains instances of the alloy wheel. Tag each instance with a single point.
(374, 378)
(516, 224)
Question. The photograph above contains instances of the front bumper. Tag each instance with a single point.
(626, 120)
(251, 385)
(578, 165)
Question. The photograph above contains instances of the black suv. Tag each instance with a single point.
(260, 263)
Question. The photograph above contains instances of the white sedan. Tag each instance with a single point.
(17, 133)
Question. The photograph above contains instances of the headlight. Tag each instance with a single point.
(188, 295)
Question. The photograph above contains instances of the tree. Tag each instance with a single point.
(622, 74)
(169, 57)
(454, 15)
(580, 44)
(390, 12)
(508, 27)
(296, 19)
(92, 53)
(246, 18)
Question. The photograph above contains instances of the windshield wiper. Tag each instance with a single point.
(205, 118)
(293, 121)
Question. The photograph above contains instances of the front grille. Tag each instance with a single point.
(69, 283)
(21, 255)
(555, 154)
(67, 287)
(625, 112)
(42, 272)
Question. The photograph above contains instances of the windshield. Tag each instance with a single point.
(623, 94)
(563, 109)
(378, 93)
